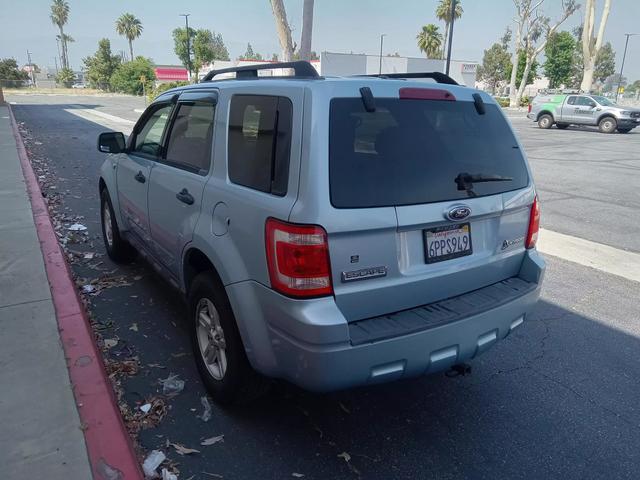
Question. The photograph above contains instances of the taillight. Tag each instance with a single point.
(298, 259)
(534, 224)
(529, 109)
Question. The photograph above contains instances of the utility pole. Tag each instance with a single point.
(33, 79)
(186, 21)
(626, 44)
(451, 18)
(381, 42)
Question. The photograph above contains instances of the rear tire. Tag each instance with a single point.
(562, 126)
(624, 130)
(217, 346)
(607, 125)
(545, 121)
(118, 249)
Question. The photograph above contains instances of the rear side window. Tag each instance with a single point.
(260, 142)
(411, 151)
(571, 100)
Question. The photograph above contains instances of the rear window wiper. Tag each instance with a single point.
(465, 180)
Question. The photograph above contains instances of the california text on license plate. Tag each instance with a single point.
(445, 243)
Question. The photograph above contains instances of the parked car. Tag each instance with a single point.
(582, 109)
(78, 85)
(332, 232)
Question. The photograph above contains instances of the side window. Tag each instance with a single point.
(191, 136)
(571, 101)
(149, 139)
(260, 142)
(585, 102)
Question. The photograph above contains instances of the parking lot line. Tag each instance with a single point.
(590, 254)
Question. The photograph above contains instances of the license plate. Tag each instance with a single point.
(445, 243)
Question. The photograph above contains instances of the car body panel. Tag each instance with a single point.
(307, 341)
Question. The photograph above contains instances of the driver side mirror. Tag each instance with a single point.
(592, 104)
(111, 142)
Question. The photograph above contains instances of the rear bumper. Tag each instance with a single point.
(310, 343)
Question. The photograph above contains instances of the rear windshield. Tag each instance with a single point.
(411, 151)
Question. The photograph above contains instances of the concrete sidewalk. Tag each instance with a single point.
(40, 429)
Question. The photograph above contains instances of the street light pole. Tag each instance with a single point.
(381, 42)
(186, 21)
(33, 80)
(624, 55)
(452, 15)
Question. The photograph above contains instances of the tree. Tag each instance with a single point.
(443, 13)
(495, 65)
(101, 65)
(207, 47)
(10, 74)
(283, 29)
(130, 27)
(133, 77)
(65, 77)
(591, 45)
(560, 53)
(522, 61)
(605, 65)
(249, 54)
(307, 27)
(430, 40)
(532, 34)
(59, 17)
(180, 45)
(611, 82)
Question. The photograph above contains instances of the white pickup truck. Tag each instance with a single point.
(582, 109)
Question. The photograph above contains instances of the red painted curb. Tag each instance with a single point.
(109, 446)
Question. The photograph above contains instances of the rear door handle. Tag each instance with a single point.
(185, 197)
(140, 177)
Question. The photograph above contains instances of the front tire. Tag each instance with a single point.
(607, 125)
(217, 346)
(118, 249)
(545, 121)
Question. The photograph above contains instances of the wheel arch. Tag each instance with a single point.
(605, 115)
(545, 112)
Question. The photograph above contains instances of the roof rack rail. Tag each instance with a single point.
(301, 68)
(437, 76)
(566, 91)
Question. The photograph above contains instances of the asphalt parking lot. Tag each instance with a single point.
(556, 399)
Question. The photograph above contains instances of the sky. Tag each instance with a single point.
(339, 26)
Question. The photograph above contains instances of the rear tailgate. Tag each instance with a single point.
(407, 155)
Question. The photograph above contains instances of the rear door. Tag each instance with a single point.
(429, 158)
(570, 110)
(178, 178)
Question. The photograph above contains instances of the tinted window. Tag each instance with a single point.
(149, 138)
(191, 136)
(411, 151)
(260, 142)
(571, 100)
(585, 102)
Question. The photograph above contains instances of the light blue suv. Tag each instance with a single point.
(332, 232)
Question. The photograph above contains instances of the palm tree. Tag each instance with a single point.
(59, 16)
(443, 12)
(129, 26)
(430, 40)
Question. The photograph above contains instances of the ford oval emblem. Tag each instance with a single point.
(459, 212)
